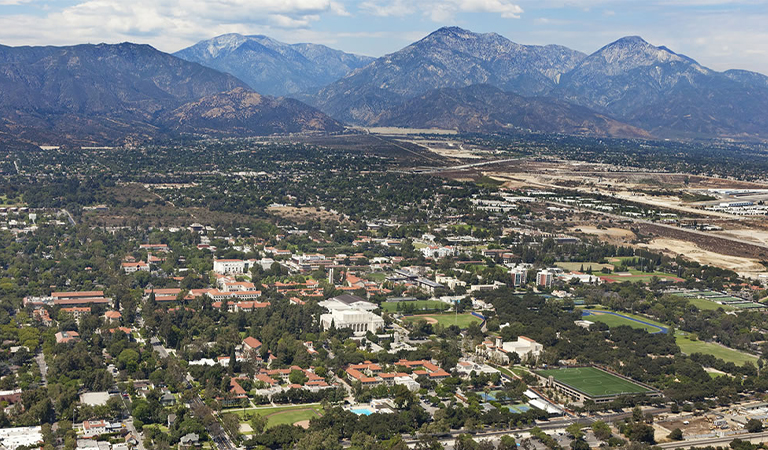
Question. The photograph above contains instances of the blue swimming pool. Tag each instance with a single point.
(362, 411)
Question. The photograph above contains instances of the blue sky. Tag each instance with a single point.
(720, 34)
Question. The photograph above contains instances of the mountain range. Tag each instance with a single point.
(629, 80)
(452, 78)
(117, 93)
(272, 67)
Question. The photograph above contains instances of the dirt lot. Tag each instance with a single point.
(696, 426)
(744, 266)
(612, 235)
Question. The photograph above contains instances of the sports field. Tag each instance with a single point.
(613, 319)
(689, 347)
(282, 414)
(576, 266)
(637, 276)
(593, 382)
(446, 320)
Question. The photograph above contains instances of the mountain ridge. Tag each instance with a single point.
(273, 67)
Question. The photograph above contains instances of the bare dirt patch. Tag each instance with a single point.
(741, 265)
(616, 235)
(302, 423)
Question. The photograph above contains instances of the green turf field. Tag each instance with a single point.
(593, 382)
(636, 275)
(448, 319)
(418, 305)
(689, 347)
(280, 415)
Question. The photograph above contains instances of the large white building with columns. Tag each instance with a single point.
(351, 311)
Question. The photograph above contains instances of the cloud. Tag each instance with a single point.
(167, 24)
(440, 10)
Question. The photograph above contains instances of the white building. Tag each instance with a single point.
(131, 267)
(232, 266)
(437, 252)
(348, 301)
(499, 351)
(13, 438)
(360, 322)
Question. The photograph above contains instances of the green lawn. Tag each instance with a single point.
(448, 319)
(280, 415)
(718, 351)
(636, 275)
(576, 266)
(616, 321)
(418, 305)
(593, 382)
(379, 277)
(704, 304)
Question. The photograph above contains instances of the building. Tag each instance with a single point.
(10, 396)
(77, 312)
(13, 438)
(499, 351)
(546, 278)
(348, 301)
(94, 428)
(251, 344)
(232, 266)
(65, 337)
(83, 298)
(132, 267)
(361, 322)
(113, 316)
(519, 276)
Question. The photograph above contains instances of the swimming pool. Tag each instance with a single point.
(362, 411)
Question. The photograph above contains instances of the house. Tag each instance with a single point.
(131, 267)
(94, 428)
(167, 399)
(65, 337)
(251, 344)
(113, 316)
(189, 440)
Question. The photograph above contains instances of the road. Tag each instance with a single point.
(69, 216)
(755, 438)
(40, 359)
(132, 430)
(215, 430)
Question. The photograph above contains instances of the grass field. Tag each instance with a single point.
(418, 305)
(613, 320)
(576, 266)
(593, 382)
(636, 275)
(280, 415)
(718, 351)
(462, 320)
(704, 304)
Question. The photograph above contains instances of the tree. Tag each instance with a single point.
(602, 430)
(574, 430)
(258, 423)
(754, 426)
(676, 434)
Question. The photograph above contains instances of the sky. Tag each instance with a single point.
(720, 34)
